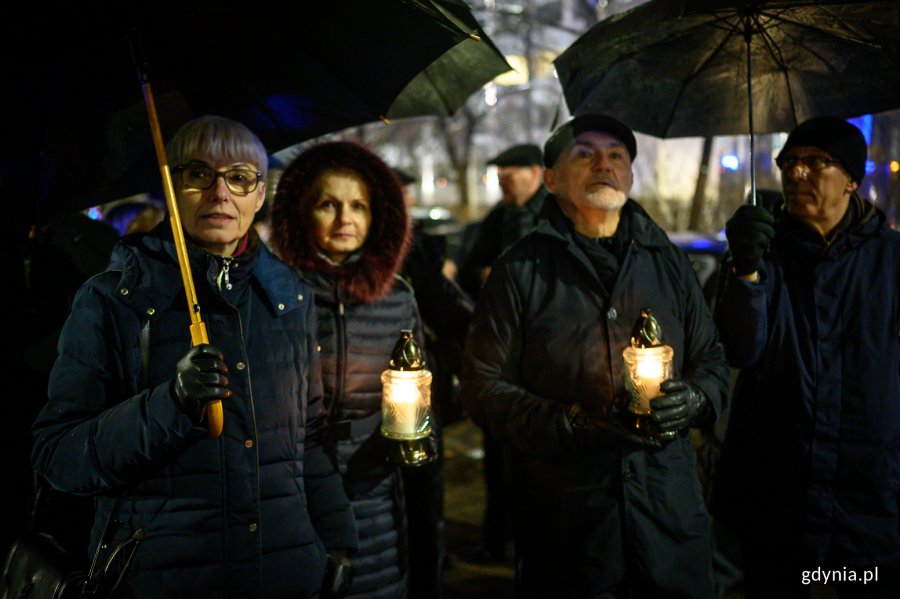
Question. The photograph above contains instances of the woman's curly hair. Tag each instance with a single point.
(388, 240)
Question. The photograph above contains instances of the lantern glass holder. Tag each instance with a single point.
(647, 368)
(406, 405)
(406, 410)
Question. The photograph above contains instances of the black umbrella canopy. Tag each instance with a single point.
(290, 71)
(676, 68)
(445, 85)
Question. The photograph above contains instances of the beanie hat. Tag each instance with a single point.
(836, 136)
(520, 155)
(574, 127)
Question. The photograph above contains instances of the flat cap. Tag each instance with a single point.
(405, 177)
(519, 155)
(575, 126)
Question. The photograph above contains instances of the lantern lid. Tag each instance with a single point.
(406, 354)
(646, 332)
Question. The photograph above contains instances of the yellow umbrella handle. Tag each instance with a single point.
(214, 415)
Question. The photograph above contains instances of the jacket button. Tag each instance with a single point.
(248, 443)
(151, 311)
(252, 527)
(240, 366)
(281, 306)
(612, 314)
(300, 297)
(123, 291)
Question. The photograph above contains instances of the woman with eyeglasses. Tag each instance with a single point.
(339, 217)
(259, 511)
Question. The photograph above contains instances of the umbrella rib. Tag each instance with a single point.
(849, 34)
(775, 53)
(729, 30)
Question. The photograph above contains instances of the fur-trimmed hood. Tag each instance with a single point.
(369, 274)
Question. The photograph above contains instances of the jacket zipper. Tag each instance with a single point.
(222, 277)
(340, 354)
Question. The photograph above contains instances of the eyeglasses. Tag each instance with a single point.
(813, 163)
(240, 181)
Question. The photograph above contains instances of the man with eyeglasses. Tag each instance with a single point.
(259, 511)
(809, 476)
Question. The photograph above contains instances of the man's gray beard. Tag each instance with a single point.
(608, 198)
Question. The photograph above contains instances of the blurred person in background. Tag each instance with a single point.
(446, 312)
(134, 216)
(520, 173)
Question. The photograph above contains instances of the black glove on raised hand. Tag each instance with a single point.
(338, 574)
(592, 430)
(750, 233)
(682, 406)
(199, 379)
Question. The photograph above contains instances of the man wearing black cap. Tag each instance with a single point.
(809, 476)
(603, 508)
(520, 174)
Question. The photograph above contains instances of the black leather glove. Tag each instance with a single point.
(199, 379)
(592, 430)
(682, 405)
(338, 574)
(750, 233)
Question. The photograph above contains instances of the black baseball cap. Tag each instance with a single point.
(575, 126)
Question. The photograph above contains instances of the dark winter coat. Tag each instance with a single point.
(362, 306)
(244, 515)
(503, 226)
(547, 334)
(812, 451)
(356, 339)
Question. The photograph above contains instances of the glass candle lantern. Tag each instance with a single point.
(406, 404)
(648, 362)
(647, 368)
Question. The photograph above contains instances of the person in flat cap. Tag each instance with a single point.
(810, 314)
(520, 174)
(608, 503)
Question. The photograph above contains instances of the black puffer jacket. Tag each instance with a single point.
(245, 515)
(547, 334)
(356, 340)
(362, 307)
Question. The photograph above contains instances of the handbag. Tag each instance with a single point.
(39, 566)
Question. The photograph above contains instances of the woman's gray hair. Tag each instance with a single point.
(218, 138)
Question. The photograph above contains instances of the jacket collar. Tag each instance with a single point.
(862, 221)
(146, 262)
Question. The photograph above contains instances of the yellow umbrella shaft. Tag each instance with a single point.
(214, 415)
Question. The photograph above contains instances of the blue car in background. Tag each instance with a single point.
(706, 251)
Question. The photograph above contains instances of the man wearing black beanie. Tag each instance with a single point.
(810, 471)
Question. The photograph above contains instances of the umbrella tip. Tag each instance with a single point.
(384, 119)
(475, 37)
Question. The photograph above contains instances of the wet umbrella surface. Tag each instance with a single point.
(290, 71)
